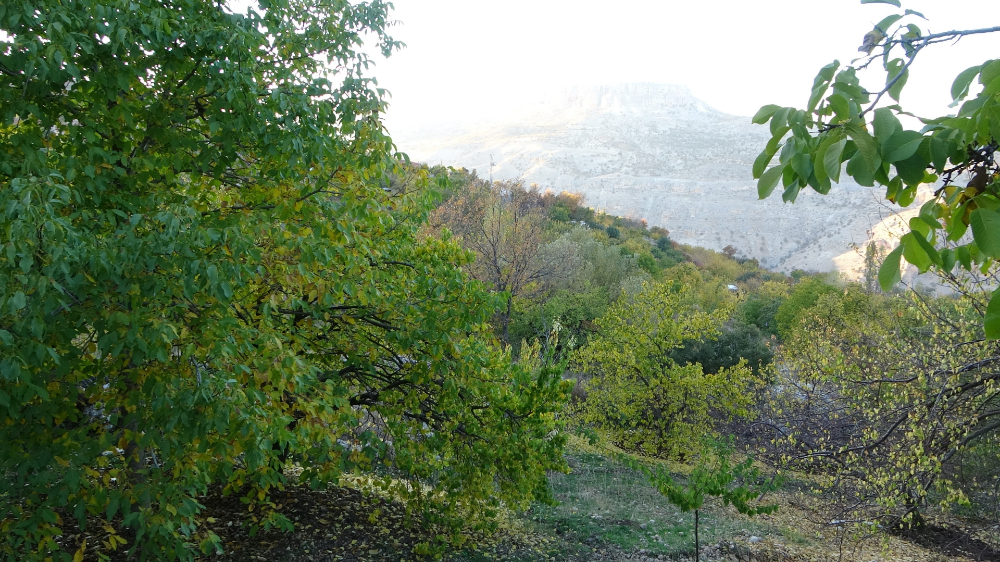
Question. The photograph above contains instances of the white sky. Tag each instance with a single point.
(469, 60)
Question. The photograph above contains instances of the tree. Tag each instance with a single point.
(203, 279)
(883, 395)
(803, 296)
(736, 343)
(505, 226)
(846, 122)
(739, 485)
(638, 393)
(761, 307)
(873, 258)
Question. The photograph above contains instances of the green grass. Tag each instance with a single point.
(603, 502)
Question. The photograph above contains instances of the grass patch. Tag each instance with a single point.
(604, 502)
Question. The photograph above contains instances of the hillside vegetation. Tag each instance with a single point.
(237, 324)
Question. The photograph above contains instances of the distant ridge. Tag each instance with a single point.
(655, 151)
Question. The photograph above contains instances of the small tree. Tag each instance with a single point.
(740, 485)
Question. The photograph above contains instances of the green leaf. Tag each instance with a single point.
(957, 228)
(964, 257)
(858, 169)
(947, 260)
(763, 159)
(866, 144)
(764, 114)
(802, 165)
(901, 145)
(791, 193)
(18, 301)
(914, 252)
(779, 119)
(826, 73)
(897, 86)
(892, 2)
(910, 12)
(991, 323)
(768, 180)
(912, 170)
(888, 272)
(960, 87)
(885, 123)
(991, 70)
(928, 249)
(831, 160)
(906, 195)
(841, 107)
(986, 231)
(939, 153)
(883, 25)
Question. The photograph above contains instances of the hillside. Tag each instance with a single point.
(656, 152)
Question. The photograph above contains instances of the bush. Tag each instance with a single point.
(735, 343)
(804, 295)
(559, 212)
(613, 232)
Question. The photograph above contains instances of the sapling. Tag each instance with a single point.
(740, 484)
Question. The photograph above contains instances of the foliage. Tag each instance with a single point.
(883, 395)
(505, 226)
(204, 277)
(706, 288)
(637, 392)
(735, 343)
(845, 123)
(761, 308)
(803, 296)
(613, 232)
(576, 311)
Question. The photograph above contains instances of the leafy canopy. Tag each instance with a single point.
(638, 393)
(885, 395)
(848, 123)
(204, 277)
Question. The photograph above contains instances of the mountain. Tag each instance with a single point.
(655, 151)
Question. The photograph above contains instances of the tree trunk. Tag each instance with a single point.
(697, 545)
(506, 320)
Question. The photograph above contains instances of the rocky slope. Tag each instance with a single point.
(656, 152)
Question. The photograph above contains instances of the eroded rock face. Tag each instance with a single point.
(656, 152)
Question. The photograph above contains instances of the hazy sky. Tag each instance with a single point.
(468, 60)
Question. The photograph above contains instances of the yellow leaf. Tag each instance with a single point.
(78, 555)
(61, 461)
